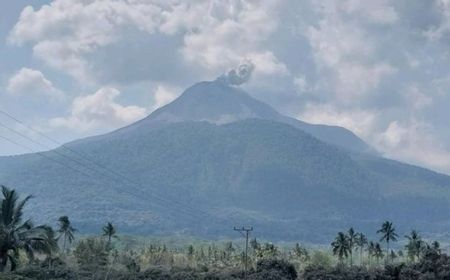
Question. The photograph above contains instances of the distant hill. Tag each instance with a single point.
(215, 158)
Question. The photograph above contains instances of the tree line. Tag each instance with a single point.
(41, 252)
(347, 243)
(17, 235)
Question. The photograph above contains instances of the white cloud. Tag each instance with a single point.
(343, 51)
(232, 31)
(301, 84)
(414, 142)
(214, 35)
(380, 11)
(359, 121)
(164, 95)
(355, 80)
(65, 32)
(98, 111)
(32, 82)
(436, 32)
(416, 98)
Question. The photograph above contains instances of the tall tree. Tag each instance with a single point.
(66, 230)
(301, 252)
(393, 255)
(341, 246)
(436, 247)
(16, 236)
(414, 246)
(351, 236)
(361, 242)
(378, 252)
(370, 250)
(388, 234)
(109, 230)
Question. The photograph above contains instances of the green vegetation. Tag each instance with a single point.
(252, 171)
(388, 234)
(32, 252)
(66, 231)
(109, 231)
(16, 236)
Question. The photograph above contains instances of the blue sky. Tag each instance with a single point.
(74, 68)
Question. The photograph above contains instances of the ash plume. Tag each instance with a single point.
(239, 75)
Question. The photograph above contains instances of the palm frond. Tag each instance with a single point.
(18, 211)
(8, 204)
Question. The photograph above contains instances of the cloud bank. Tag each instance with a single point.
(379, 68)
(99, 111)
(32, 82)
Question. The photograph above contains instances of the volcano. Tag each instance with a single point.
(216, 157)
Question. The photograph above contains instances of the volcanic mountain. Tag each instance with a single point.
(216, 157)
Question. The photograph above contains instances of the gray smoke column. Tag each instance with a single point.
(239, 75)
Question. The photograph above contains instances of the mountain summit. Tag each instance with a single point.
(220, 103)
(214, 102)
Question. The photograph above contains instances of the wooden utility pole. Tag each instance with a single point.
(241, 231)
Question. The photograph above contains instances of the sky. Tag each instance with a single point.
(75, 68)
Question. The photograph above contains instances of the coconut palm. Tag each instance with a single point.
(378, 252)
(370, 250)
(351, 237)
(109, 230)
(66, 230)
(341, 246)
(436, 247)
(414, 246)
(361, 242)
(16, 236)
(301, 252)
(393, 255)
(388, 234)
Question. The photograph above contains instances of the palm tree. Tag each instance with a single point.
(351, 237)
(393, 255)
(400, 254)
(341, 246)
(378, 252)
(388, 234)
(16, 236)
(436, 247)
(414, 245)
(109, 230)
(66, 230)
(370, 250)
(361, 241)
(301, 252)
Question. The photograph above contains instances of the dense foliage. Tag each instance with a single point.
(32, 252)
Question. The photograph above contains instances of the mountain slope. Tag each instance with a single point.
(253, 171)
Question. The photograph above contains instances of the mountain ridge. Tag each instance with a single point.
(220, 103)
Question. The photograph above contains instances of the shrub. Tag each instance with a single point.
(272, 268)
(92, 253)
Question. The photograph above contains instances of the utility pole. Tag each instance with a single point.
(241, 231)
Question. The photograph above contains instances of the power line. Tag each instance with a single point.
(79, 154)
(42, 154)
(83, 156)
(42, 145)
